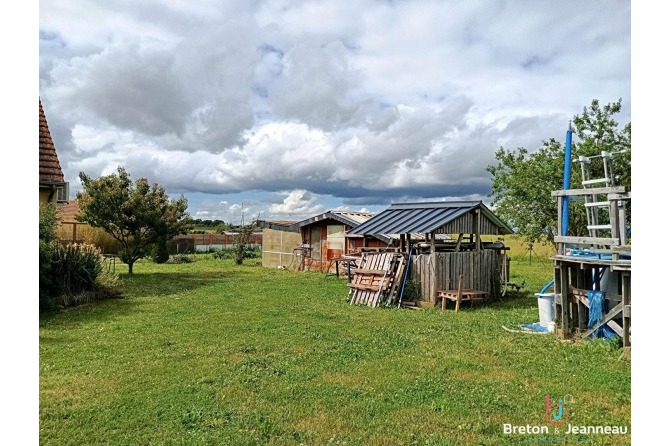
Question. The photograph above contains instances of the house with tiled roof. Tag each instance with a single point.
(53, 187)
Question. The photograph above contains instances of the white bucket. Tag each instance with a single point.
(551, 327)
(545, 304)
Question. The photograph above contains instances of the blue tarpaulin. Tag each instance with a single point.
(597, 309)
(536, 327)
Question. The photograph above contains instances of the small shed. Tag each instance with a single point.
(324, 238)
(438, 264)
(281, 243)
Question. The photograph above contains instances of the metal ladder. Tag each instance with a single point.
(591, 201)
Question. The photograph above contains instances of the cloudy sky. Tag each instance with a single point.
(286, 108)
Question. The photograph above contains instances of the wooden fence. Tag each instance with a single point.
(481, 271)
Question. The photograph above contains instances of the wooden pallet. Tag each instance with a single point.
(375, 278)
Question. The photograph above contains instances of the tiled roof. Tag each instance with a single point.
(67, 212)
(50, 170)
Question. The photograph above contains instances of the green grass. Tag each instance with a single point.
(213, 353)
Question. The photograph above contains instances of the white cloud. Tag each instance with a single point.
(405, 99)
(298, 202)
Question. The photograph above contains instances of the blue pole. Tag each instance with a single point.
(566, 179)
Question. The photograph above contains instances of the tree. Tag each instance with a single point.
(523, 181)
(138, 215)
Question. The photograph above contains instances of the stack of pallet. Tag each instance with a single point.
(378, 278)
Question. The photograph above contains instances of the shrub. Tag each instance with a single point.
(76, 276)
(221, 254)
(75, 268)
(160, 252)
(181, 258)
(47, 244)
(248, 252)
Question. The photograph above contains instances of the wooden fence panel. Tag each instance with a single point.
(481, 271)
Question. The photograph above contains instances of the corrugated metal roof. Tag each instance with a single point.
(403, 218)
(346, 217)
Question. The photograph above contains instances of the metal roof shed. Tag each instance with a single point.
(431, 218)
(442, 217)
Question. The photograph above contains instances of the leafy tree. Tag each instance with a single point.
(137, 215)
(523, 181)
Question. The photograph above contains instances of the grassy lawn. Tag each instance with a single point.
(213, 353)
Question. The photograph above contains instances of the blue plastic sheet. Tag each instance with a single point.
(597, 310)
(535, 327)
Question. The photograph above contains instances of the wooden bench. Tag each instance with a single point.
(461, 295)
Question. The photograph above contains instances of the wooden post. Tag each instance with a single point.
(74, 233)
(458, 242)
(408, 237)
(614, 215)
(459, 296)
(565, 309)
(574, 306)
(625, 299)
(433, 261)
(582, 310)
(478, 229)
(622, 223)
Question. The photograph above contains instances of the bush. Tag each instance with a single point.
(160, 252)
(249, 252)
(181, 258)
(47, 244)
(69, 274)
(221, 254)
(76, 267)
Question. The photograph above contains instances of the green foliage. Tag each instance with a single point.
(241, 245)
(181, 258)
(75, 268)
(75, 276)
(221, 228)
(160, 252)
(47, 244)
(523, 181)
(249, 252)
(138, 215)
(412, 291)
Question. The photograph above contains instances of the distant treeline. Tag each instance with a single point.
(200, 226)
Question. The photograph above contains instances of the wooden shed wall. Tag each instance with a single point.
(481, 271)
(466, 224)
